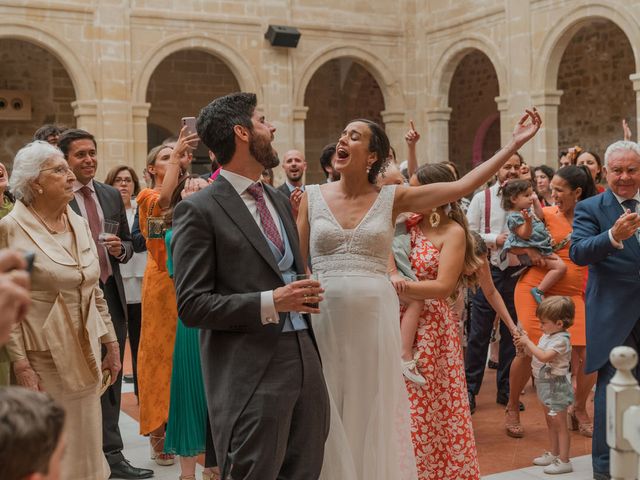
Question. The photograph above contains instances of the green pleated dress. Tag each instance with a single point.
(187, 425)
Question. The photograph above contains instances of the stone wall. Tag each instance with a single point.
(185, 82)
(25, 66)
(594, 76)
(110, 50)
(472, 101)
(340, 91)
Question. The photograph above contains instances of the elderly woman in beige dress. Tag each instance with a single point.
(57, 348)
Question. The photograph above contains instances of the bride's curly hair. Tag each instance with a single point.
(441, 173)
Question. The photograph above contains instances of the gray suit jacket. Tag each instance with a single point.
(284, 188)
(221, 264)
(113, 209)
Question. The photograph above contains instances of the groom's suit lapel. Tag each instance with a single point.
(226, 196)
(613, 210)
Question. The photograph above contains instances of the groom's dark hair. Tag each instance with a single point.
(216, 121)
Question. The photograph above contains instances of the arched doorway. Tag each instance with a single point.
(597, 92)
(180, 86)
(33, 71)
(339, 91)
(474, 125)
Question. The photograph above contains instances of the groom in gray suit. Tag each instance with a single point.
(236, 256)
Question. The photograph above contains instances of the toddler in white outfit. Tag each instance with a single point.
(550, 367)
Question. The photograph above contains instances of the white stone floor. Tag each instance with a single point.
(581, 471)
(136, 447)
(137, 452)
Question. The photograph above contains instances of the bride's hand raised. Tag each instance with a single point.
(524, 130)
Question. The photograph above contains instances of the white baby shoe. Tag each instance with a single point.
(558, 466)
(547, 458)
(410, 371)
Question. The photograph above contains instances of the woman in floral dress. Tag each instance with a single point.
(440, 418)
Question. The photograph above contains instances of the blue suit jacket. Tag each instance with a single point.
(613, 289)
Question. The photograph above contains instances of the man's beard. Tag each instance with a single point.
(295, 178)
(263, 152)
(510, 176)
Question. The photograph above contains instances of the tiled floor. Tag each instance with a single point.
(137, 452)
(581, 471)
(500, 457)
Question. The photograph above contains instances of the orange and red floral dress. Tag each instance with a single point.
(441, 426)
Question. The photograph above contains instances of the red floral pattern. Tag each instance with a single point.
(440, 418)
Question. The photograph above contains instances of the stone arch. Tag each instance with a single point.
(547, 65)
(471, 99)
(381, 72)
(450, 59)
(480, 137)
(245, 75)
(83, 84)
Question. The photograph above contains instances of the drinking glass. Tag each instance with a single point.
(109, 228)
(308, 276)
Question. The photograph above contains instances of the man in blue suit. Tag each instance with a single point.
(606, 237)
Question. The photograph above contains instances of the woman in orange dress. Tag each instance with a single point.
(569, 185)
(159, 306)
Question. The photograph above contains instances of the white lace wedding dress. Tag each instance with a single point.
(358, 333)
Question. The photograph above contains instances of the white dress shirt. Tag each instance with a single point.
(83, 210)
(636, 197)
(293, 187)
(133, 271)
(268, 313)
(497, 223)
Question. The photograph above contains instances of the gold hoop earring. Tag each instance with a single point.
(434, 218)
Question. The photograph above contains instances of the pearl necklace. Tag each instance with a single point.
(46, 225)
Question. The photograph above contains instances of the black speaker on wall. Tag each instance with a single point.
(282, 36)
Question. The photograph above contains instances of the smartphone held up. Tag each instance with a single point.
(190, 123)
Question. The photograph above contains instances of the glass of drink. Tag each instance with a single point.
(308, 276)
(109, 229)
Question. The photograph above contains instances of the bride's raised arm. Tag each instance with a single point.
(422, 199)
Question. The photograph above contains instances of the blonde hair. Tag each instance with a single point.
(151, 160)
(557, 308)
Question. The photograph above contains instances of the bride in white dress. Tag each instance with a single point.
(347, 227)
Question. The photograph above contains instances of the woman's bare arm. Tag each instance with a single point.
(493, 296)
(449, 269)
(422, 199)
(303, 228)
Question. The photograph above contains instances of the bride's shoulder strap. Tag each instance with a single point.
(312, 197)
(388, 194)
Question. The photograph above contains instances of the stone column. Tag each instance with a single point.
(299, 117)
(437, 135)
(502, 103)
(545, 143)
(518, 65)
(86, 113)
(112, 27)
(395, 127)
(139, 114)
(635, 78)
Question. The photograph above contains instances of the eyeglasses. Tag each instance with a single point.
(59, 170)
(122, 180)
